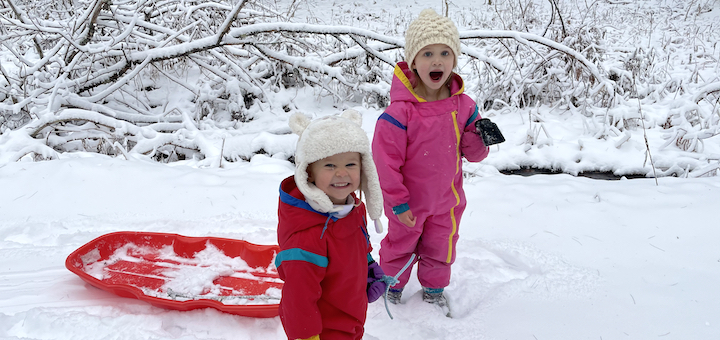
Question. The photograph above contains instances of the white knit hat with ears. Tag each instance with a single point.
(328, 136)
(428, 29)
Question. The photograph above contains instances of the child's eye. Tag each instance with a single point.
(350, 165)
(445, 53)
(331, 166)
(428, 54)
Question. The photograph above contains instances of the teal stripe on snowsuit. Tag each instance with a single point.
(297, 254)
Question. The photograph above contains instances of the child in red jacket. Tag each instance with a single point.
(325, 250)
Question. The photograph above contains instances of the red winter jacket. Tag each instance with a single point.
(324, 263)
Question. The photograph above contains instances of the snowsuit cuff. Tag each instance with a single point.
(400, 209)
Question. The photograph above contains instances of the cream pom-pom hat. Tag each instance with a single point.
(428, 29)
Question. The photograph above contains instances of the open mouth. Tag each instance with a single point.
(435, 76)
(340, 185)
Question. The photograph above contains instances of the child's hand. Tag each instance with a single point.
(375, 286)
(407, 218)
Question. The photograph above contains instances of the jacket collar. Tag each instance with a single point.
(291, 195)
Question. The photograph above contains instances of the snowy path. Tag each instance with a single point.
(546, 257)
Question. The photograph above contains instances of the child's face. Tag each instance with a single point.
(337, 176)
(434, 64)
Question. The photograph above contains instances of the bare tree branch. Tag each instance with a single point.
(228, 21)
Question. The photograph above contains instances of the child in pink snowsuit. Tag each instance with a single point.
(418, 147)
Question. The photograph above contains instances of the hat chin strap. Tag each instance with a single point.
(317, 199)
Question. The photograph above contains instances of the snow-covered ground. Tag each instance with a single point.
(546, 257)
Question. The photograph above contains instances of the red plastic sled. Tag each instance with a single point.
(183, 273)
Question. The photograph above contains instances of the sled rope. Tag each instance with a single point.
(393, 280)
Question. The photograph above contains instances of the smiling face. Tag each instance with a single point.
(337, 176)
(434, 64)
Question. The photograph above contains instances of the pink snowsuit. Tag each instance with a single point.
(418, 148)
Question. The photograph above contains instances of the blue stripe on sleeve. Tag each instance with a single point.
(297, 254)
(472, 118)
(392, 120)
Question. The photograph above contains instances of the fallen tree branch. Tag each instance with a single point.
(705, 91)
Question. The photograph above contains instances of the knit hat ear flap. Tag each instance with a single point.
(371, 188)
(317, 199)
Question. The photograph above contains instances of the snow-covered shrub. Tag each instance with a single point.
(171, 69)
(182, 79)
(627, 62)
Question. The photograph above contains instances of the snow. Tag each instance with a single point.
(550, 256)
(539, 257)
(182, 278)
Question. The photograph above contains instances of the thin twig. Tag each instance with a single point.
(222, 150)
(647, 144)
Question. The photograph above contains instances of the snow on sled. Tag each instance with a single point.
(183, 273)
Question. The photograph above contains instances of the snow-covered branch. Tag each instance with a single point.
(527, 38)
(111, 60)
(176, 79)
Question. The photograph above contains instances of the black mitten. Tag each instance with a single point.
(489, 132)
